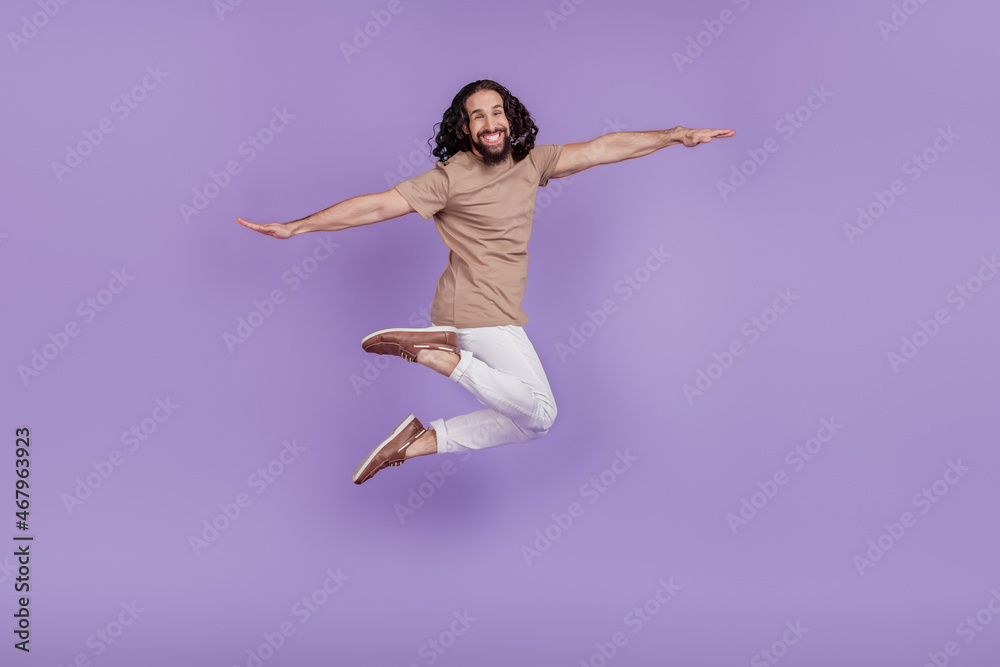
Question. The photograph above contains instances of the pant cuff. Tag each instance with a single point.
(463, 365)
(441, 433)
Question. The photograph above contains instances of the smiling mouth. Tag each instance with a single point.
(492, 138)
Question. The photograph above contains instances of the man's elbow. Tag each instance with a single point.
(390, 204)
(584, 156)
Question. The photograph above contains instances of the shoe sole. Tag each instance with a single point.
(368, 459)
(425, 329)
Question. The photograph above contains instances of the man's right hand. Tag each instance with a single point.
(353, 212)
(276, 229)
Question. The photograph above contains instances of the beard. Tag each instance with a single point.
(494, 154)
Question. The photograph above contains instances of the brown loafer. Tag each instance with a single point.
(390, 451)
(406, 343)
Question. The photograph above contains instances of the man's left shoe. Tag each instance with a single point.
(390, 452)
(406, 343)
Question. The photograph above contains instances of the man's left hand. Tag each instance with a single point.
(690, 137)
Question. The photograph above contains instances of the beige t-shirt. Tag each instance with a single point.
(484, 215)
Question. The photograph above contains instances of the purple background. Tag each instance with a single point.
(358, 122)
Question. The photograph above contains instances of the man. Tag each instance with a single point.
(481, 195)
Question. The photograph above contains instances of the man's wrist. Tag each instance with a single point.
(676, 135)
(297, 227)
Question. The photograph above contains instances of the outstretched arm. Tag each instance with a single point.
(618, 146)
(353, 212)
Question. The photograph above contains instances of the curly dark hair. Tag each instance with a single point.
(451, 137)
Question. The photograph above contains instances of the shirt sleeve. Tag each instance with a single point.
(427, 193)
(546, 156)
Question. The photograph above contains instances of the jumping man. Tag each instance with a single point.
(481, 195)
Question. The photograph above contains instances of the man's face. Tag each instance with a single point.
(488, 127)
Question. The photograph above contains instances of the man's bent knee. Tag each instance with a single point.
(544, 421)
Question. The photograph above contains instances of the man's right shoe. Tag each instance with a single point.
(390, 452)
(406, 343)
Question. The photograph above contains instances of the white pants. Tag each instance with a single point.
(501, 369)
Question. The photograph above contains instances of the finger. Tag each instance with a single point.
(250, 225)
